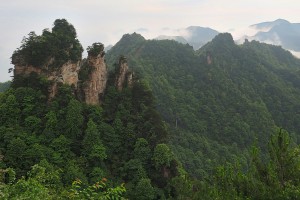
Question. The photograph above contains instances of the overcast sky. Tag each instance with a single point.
(107, 20)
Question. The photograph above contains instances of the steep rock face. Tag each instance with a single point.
(208, 58)
(66, 74)
(95, 86)
(89, 89)
(26, 70)
(124, 76)
(69, 73)
(130, 79)
(121, 76)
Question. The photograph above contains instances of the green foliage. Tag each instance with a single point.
(183, 187)
(85, 71)
(51, 49)
(215, 110)
(9, 110)
(32, 123)
(162, 155)
(95, 49)
(32, 81)
(38, 185)
(16, 150)
(285, 161)
(70, 140)
(11, 175)
(28, 189)
(4, 86)
(92, 143)
(144, 189)
(74, 119)
(276, 178)
(99, 190)
(142, 150)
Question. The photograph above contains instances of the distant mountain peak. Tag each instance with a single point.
(281, 21)
(198, 28)
(135, 36)
(224, 37)
(278, 32)
(132, 38)
(179, 39)
(219, 45)
(270, 24)
(195, 36)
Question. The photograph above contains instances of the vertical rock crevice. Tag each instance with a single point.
(124, 77)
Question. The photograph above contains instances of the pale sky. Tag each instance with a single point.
(107, 20)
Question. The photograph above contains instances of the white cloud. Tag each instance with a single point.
(295, 53)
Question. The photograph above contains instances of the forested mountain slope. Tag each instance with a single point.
(72, 129)
(219, 100)
(56, 145)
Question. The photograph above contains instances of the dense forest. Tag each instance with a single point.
(4, 86)
(221, 122)
(62, 148)
(219, 100)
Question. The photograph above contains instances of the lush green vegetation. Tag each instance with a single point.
(217, 110)
(95, 49)
(51, 49)
(65, 149)
(123, 140)
(4, 86)
(276, 177)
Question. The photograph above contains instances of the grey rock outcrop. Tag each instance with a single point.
(95, 85)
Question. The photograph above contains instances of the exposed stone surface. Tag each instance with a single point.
(208, 59)
(130, 79)
(95, 86)
(123, 77)
(26, 70)
(69, 73)
(90, 90)
(66, 74)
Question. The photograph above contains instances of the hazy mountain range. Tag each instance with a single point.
(196, 36)
(279, 32)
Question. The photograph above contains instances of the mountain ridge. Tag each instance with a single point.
(195, 36)
(221, 122)
(205, 93)
(279, 32)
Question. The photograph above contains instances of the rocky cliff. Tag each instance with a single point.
(95, 85)
(92, 83)
(124, 77)
(66, 74)
(57, 56)
(26, 69)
